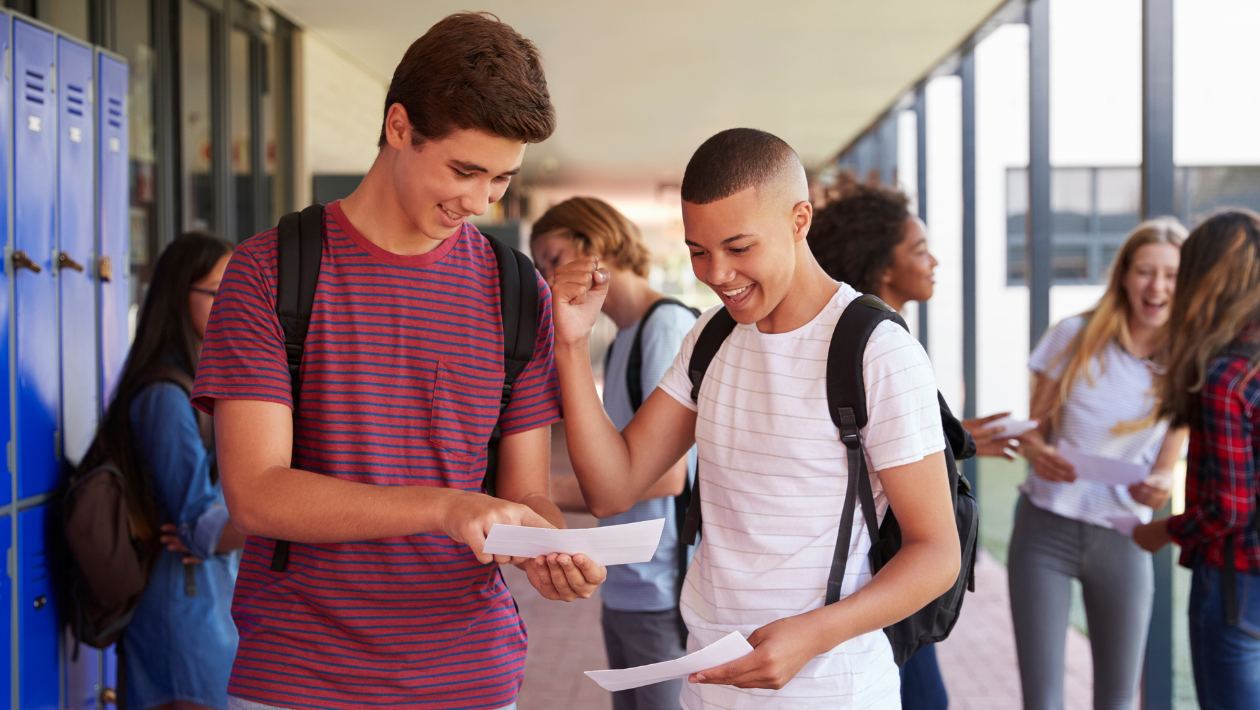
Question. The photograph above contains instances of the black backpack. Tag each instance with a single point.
(106, 568)
(634, 386)
(1250, 352)
(846, 401)
(300, 243)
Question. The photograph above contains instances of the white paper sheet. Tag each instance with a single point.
(1102, 469)
(1124, 524)
(1010, 427)
(611, 545)
(723, 651)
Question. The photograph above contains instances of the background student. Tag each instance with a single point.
(640, 601)
(770, 478)
(177, 651)
(1212, 386)
(1094, 377)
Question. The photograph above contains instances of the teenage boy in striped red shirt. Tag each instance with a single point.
(387, 599)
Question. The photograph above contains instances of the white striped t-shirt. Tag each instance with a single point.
(773, 476)
(1121, 388)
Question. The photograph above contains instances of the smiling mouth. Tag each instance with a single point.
(1154, 305)
(738, 295)
(455, 216)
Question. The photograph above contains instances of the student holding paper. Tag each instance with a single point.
(772, 474)
(1093, 379)
(640, 601)
(1213, 386)
(374, 474)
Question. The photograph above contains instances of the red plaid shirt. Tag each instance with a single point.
(1221, 473)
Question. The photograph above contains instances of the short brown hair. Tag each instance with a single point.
(472, 71)
(732, 161)
(598, 229)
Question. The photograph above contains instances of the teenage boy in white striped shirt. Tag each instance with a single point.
(772, 468)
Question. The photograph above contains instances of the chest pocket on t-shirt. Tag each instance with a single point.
(465, 408)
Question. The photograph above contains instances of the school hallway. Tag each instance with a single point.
(978, 660)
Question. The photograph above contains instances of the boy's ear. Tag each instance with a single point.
(398, 127)
(802, 217)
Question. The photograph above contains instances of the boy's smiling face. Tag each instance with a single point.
(744, 247)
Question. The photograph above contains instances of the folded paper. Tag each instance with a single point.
(609, 545)
(1102, 469)
(721, 652)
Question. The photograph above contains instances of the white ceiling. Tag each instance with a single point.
(639, 85)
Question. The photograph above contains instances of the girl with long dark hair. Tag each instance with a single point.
(1213, 386)
(178, 649)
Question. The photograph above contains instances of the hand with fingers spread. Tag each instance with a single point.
(468, 518)
(1047, 463)
(988, 441)
(780, 650)
(564, 578)
(577, 292)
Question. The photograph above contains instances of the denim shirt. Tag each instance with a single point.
(181, 646)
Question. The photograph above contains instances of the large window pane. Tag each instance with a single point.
(197, 180)
(242, 135)
(135, 44)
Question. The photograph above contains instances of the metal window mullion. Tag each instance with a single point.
(221, 126)
(967, 72)
(1040, 251)
(1158, 192)
(257, 147)
(166, 107)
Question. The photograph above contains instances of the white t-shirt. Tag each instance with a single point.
(773, 476)
(1122, 391)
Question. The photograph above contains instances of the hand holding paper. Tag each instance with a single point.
(1124, 524)
(1103, 469)
(1011, 428)
(721, 652)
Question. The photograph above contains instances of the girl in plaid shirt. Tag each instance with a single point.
(1213, 385)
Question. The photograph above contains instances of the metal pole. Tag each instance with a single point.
(1158, 193)
(1040, 249)
(920, 129)
(888, 151)
(967, 71)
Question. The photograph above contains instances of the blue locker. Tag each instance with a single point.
(39, 648)
(6, 604)
(35, 286)
(6, 114)
(113, 206)
(76, 247)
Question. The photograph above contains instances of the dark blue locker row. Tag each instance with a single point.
(64, 301)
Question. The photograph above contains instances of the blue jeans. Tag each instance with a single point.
(921, 685)
(1226, 658)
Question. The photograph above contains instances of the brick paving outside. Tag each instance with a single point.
(978, 660)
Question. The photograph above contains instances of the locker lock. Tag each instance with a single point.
(65, 262)
(22, 261)
(106, 268)
(41, 601)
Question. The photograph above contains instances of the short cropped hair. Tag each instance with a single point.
(734, 160)
(598, 229)
(854, 235)
(471, 71)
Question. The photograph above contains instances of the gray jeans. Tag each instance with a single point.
(1047, 552)
(637, 638)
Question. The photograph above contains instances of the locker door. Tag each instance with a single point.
(114, 209)
(6, 607)
(76, 241)
(35, 285)
(6, 114)
(39, 670)
(76, 237)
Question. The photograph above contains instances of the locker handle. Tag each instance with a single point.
(65, 262)
(22, 261)
(106, 268)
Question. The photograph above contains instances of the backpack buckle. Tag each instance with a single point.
(848, 427)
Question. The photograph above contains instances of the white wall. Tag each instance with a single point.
(1217, 82)
(944, 220)
(340, 106)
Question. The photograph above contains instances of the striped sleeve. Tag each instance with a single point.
(243, 354)
(903, 417)
(1048, 357)
(536, 395)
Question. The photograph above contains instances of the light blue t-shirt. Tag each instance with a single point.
(646, 586)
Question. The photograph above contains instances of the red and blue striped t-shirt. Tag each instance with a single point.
(401, 381)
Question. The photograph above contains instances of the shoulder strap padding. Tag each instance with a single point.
(300, 245)
(518, 299)
(634, 365)
(710, 341)
(846, 386)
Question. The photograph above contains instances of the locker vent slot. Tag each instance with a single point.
(75, 98)
(34, 87)
(115, 112)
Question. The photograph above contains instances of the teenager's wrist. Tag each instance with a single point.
(579, 350)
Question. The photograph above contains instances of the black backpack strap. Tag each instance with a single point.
(299, 246)
(634, 366)
(846, 402)
(707, 345)
(518, 302)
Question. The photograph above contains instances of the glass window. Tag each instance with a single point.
(1119, 196)
(1071, 200)
(69, 16)
(196, 125)
(135, 44)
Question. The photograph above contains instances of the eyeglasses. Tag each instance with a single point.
(208, 292)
